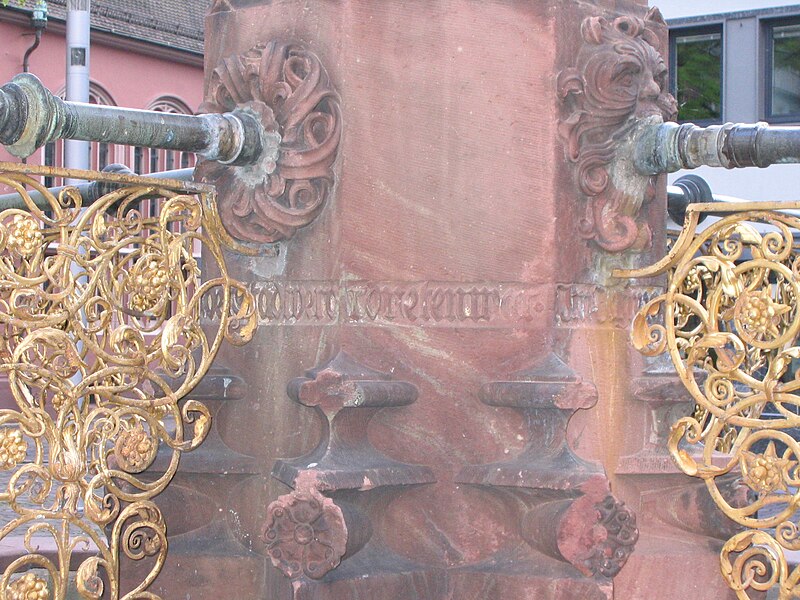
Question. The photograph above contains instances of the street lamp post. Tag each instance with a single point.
(76, 152)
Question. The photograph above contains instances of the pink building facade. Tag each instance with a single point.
(132, 65)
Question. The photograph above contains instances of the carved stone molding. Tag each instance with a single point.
(690, 508)
(619, 80)
(205, 529)
(664, 400)
(563, 504)
(286, 87)
(594, 532)
(348, 395)
(345, 482)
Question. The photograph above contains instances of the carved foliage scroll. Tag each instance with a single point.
(619, 80)
(287, 88)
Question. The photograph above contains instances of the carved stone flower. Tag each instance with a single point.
(28, 587)
(13, 448)
(758, 314)
(305, 534)
(24, 235)
(148, 283)
(289, 91)
(764, 473)
(135, 449)
(621, 534)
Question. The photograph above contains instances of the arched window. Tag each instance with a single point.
(103, 154)
(100, 95)
(153, 160)
(170, 104)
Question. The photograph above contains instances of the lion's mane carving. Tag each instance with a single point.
(618, 80)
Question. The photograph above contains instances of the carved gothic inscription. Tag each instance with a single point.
(581, 304)
(423, 303)
(439, 304)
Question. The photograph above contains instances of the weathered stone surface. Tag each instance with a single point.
(448, 257)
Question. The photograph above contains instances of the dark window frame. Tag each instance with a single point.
(676, 32)
(768, 27)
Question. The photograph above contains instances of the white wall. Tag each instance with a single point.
(677, 9)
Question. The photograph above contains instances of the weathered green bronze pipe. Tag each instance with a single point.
(30, 117)
(670, 147)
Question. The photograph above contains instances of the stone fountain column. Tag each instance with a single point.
(441, 401)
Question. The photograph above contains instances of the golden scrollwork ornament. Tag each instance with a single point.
(102, 345)
(730, 320)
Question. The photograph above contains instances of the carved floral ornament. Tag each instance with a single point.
(306, 533)
(621, 534)
(286, 87)
(619, 81)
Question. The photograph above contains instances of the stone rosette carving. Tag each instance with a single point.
(285, 86)
(619, 524)
(619, 82)
(305, 533)
(343, 483)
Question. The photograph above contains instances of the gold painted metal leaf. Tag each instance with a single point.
(649, 338)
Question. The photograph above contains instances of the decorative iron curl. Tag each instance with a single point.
(730, 321)
(102, 344)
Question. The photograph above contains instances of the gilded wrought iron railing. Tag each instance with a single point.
(102, 345)
(730, 321)
(100, 303)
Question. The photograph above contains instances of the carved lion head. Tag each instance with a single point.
(619, 79)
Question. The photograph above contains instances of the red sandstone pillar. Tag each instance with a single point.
(442, 382)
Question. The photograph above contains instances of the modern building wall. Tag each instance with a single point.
(744, 89)
(676, 9)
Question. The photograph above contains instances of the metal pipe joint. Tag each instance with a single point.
(670, 147)
(30, 117)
